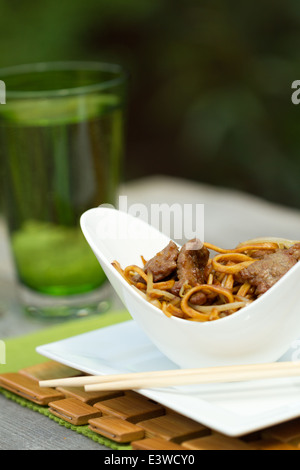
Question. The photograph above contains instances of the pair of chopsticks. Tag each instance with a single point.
(177, 377)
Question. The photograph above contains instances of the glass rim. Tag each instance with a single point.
(121, 75)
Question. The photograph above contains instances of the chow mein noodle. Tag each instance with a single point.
(229, 278)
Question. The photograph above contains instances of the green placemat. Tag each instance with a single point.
(20, 353)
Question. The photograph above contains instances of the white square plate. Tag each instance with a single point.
(232, 408)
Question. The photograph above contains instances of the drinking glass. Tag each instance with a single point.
(61, 149)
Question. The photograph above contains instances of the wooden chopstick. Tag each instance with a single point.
(166, 378)
(204, 376)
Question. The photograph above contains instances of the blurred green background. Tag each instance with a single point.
(210, 89)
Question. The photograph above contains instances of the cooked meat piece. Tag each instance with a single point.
(261, 253)
(295, 251)
(176, 288)
(265, 272)
(191, 263)
(192, 260)
(164, 263)
(198, 299)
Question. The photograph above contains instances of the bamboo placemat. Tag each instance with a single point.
(127, 420)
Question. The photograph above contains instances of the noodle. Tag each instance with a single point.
(225, 294)
(246, 246)
(233, 269)
(191, 312)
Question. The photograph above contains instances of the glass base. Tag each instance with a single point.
(60, 307)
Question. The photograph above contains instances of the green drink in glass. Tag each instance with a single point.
(61, 146)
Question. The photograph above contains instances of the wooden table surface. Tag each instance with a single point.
(230, 217)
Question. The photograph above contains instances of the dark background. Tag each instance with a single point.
(210, 88)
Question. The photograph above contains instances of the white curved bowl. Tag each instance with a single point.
(260, 332)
